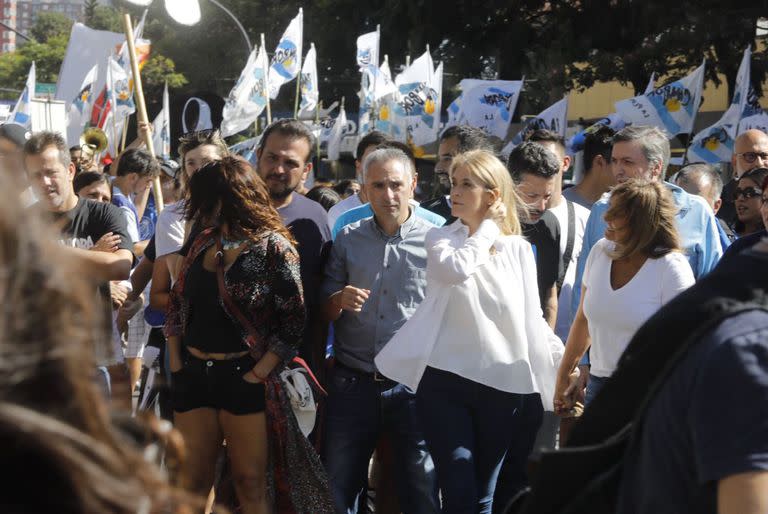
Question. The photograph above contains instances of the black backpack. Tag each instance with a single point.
(584, 476)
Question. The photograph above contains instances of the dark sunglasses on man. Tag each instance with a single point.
(751, 157)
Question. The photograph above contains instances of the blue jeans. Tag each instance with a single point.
(359, 410)
(469, 428)
(593, 387)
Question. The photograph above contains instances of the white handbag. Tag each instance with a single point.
(302, 398)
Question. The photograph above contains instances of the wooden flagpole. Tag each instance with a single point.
(142, 107)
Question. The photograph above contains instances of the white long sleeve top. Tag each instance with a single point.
(481, 318)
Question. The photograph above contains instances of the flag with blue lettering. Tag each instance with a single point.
(310, 93)
(286, 63)
(486, 104)
(554, 118)
(248, 98)
(415, 110)
(22, 112)
(715, 143)
(671, 107)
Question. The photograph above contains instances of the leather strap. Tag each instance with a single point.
(253, 336)
(569, 245)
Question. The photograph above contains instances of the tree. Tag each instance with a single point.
(89, 10)
(49, 25)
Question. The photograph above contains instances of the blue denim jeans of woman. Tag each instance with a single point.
(468, 427)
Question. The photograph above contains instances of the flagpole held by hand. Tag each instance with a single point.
(142, 107)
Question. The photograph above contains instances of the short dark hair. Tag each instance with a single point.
(86, 178)
(534, 159)
(598, 142)
(135, 160)
(325, 196)
(470, 138)
(374, 138)
(38, 142)
(292, 128)
(546, 136)
(700, 169)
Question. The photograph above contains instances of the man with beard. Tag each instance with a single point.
(284, 161)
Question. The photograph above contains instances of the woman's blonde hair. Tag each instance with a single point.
(649, 211)
(487, 169)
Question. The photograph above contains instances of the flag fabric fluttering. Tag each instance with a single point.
(486, 104)
(286, 63)
(554, 118)
(671, 107)
(576, 143)
(368, 49)
(414, 112)
(161, 126)
(119, 90)
(248, 98)
(715, 143)
(310, 94)
(336, 135)
(80, 107)
(22, 112)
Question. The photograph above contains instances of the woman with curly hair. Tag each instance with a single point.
(236, 316)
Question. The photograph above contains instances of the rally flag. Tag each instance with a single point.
(414, 112)
(576, 143)
(336, 135)
(671, 107)
(754, 116)
(368, 49)
(385, 68)
(119, 91)
(715, 143)
(651, 84)
(22, 113)
(486, 104)
(286, 63)
(248, 98)
(310, 94)
(554, 118)
(80, 108)
(161, 128)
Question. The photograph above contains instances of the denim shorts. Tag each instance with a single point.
(216, 384)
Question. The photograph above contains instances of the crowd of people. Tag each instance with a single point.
(456, 338)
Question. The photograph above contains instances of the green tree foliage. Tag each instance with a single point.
(49, 25)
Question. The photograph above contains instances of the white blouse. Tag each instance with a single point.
(481, 318)
(614, 315)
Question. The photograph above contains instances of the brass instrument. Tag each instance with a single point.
(92, 143)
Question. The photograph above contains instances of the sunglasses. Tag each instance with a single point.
(751, 157)
(747, 193)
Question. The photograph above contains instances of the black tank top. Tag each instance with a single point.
(210, 329)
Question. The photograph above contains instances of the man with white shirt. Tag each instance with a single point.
(136, 169)
(366, 145)
(572, 218)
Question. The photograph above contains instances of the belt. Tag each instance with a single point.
(375, 375)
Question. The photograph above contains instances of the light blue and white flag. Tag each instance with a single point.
(554, 118)
(486, 104)
(715, 143)
(286, 63)
(310, 94)
(119, 90)
(248, 98)
(162, 128)
(368, 49)
(576, 143)
(671, 107)
(80, 108)
(22, 113)
(415, 111)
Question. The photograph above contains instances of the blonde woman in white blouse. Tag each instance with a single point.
(629, 275)
(478, 343)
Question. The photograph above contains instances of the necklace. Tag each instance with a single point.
(228, 244)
